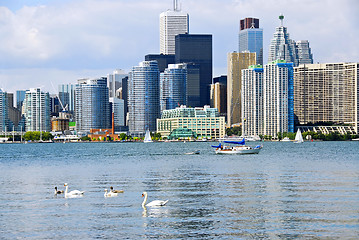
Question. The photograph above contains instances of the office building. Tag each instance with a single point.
(235, 63)
(219, 94)
(67, 97)
(3, 111)
(115, 81)
(278, 100)
(173, 86)
(327, 92)
(197, 49)
(163, 60)
(118, 111)
(282, 47)
(251, 38)
(204, 121)
(303, 52)
(92, 105)
(172, 23)
(252, 101)
(20, 96)
(37, 110)
(143, 97)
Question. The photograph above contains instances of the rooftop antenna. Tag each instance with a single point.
(281, 17)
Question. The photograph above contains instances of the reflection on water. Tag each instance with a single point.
(287, 191)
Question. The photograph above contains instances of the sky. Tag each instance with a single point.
(44, 43)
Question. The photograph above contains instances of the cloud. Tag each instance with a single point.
(68, 37)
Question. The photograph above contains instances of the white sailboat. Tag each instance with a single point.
(147, 137)
(298, 137)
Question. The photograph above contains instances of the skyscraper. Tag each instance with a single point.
(219, 94)
(197, 49)
(20, 96)
(67, 97)
(278, 114)
(162, 60)
(235, 63)
(37, 110)
(92, 105)
(173, 86)
(143, 97)
(114, 81)
(3, 111)
(251, 38)
(118, 110)
(172, 23)
(303, 52)
(282, 47)
(327, 92)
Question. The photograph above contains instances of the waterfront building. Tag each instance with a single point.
(20, 97)
(252, 101)
(278, 100)
(3, 111)
(67, 97)
(197, 49)
(163, 60)
(172, 23)
(251, 38)
(218, 94)
(303, 53)
(204, 121)
(92, 104)
(235, 63)
(282, 47)
(327, 92)
(173, 86)
(37, 110)
(143, 97)
(118, 110)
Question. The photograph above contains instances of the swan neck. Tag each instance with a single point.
(66, 190)
(144, 200)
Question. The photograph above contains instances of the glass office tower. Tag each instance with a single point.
(251, 38)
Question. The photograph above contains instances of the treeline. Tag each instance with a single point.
(334, 136)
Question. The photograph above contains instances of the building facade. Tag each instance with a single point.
(252, 101)
(205, 121)
(303, 52)
(327, 93)
(235, 63)
(173, 86)
(251, 38)
(114, 81)
(219, 95)
(143, 97)
(172, 23)
(278, 114)
(67, 97)
(197, 49)
(37, 110)
(92, 105)
(162, 60)
(3, 111)
(20, 97)
(118, 110)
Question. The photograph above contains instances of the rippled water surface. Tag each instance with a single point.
(288, 191)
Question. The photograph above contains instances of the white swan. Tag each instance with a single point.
(110, 194)
(58, 191)
(73, 193)
(153, 203)
(115, 191)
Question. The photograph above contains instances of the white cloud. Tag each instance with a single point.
(70, 36)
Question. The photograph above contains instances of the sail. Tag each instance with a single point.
(147, 137)
(236, 142)
(219, 146)
(298, 136)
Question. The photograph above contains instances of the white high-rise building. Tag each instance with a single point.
(172, 23)
(37, 110)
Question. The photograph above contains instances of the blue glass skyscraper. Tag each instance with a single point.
(251, 38)
(92, 105)
(143, 97)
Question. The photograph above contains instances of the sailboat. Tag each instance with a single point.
(147, 137)
(298, 137)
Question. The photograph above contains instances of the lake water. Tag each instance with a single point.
(287, 191)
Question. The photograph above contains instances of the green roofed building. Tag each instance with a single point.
(205, 122)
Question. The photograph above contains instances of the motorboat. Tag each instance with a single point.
(193, 153)
(286, 139)
(242, 149)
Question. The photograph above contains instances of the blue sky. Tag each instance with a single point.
(47, 42)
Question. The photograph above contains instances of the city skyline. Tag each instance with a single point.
(52, 42)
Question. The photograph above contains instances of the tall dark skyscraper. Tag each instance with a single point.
(197, 49)
(162, 60)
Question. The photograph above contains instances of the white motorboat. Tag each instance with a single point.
(298, 137)
(243, 149)
(286, 139)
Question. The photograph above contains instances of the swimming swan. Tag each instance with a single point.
(58, 191)
(153, 203)
(73, 193)
(110, 194)
(115, 191)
